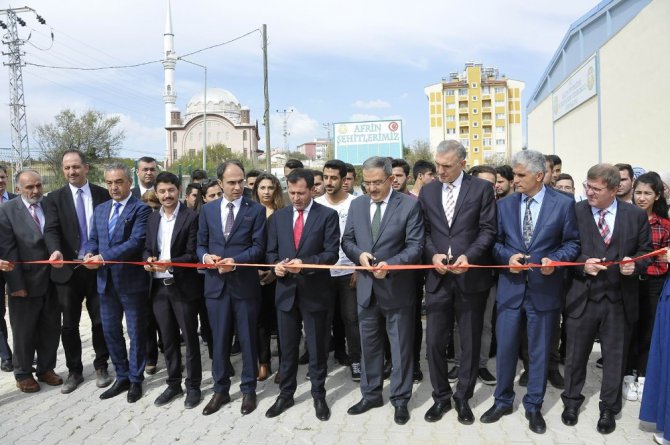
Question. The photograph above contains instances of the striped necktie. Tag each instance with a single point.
(113, 219)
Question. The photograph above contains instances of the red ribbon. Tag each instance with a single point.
(344, 267)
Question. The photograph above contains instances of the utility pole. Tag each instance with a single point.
(266, 112)
(17, 103)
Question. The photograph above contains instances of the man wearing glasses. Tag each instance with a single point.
(603, 299)
(383, 228)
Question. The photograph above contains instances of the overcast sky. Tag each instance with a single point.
(329, 61)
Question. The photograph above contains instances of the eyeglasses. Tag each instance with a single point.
(368, 184)
(590, 188)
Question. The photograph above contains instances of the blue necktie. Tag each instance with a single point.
(81, 218)
(113, 219)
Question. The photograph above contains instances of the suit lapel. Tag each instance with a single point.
(26, 216)
(465, 188)
(123, 216)
(547, 203)
(244, 207)
(287, 222)
(70, 205)
(178, 224)
(391, 207)
(437, 192)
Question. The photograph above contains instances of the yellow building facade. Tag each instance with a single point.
(481, 110)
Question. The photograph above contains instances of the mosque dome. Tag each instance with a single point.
(219, 101)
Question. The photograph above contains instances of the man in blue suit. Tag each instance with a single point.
(304, 232)
(118, 233)
(232, 230)
(535, 225)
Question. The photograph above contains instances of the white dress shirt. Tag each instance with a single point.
(164, 239)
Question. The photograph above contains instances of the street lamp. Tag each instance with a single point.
(204, 115)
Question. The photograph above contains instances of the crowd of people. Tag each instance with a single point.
(239, 260)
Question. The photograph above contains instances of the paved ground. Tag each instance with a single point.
(49, 417)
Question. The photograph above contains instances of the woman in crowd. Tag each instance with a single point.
(267, 191)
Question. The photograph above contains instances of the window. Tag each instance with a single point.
(474, 84)
(465, 142)
(500, 129)
(244, 135)
(474, 98)
(486, 90)
(500, 141)
(451, 118)
(500, 90)
(476, 149)
(464, 130)
(451, 92)
(475, 137)
(463, 91)
(475, 111)
(500, 115)
(500, 103)
(174, 137)
(451, 106)
(191, 152)
(475, 124)
(487, 142)
(451, 131)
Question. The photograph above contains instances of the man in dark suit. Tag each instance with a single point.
(69, 213)
(460, 215)
(5, 350)
(175, 292)
(535, 225)
(232, 230)
(603, 300)
(33, 307)
(384, 228)
(146, 171)
(118, 233)
(305, 232)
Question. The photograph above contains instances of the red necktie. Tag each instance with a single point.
(297, 229)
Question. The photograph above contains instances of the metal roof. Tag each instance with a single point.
(584, 37)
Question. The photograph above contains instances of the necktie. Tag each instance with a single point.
(230, 219)
(297, 228)
(604, 228)
(81, 218)
(376, 221)
(113, 219)
(449, 203)
(33, 213)
(528, 223)
(2, 199)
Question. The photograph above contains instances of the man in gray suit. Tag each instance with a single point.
(384, 228)
(34, 313)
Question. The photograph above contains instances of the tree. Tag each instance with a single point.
(216, 154)
(420, 149)
(93, 133)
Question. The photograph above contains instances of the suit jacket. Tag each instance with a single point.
(245, 244)
(126, 244)
(61, 230)
(555, 237)
(399, 241)
(319, 244)
(631, 237)
(182, 250)
(472, 232)
(21, 240)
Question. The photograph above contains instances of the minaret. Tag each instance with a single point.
(169, 63)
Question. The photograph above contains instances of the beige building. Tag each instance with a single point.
(480, 109)
(602, 97)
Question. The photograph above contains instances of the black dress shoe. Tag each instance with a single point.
(536, 422)
(321, 409)
(417, 375)
(495, 413)
(556, 379)
(279, 407)
(248, 403)
(465, 415)
(401, 415)
(388, 367)
(170, 393)
(523, 380)
(6, 365)
(216, 402)
(364, 406)
(119, 386)
(606, 423)
(436, 411)
(134, 392)
(192, 399)
(570, 416)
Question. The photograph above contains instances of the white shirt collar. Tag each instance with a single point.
(457, 183)
(86, 188)
(174, 214)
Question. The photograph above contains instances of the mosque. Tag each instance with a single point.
(217, 113)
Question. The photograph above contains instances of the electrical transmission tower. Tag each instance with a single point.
(286, 133)
(17, 103)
